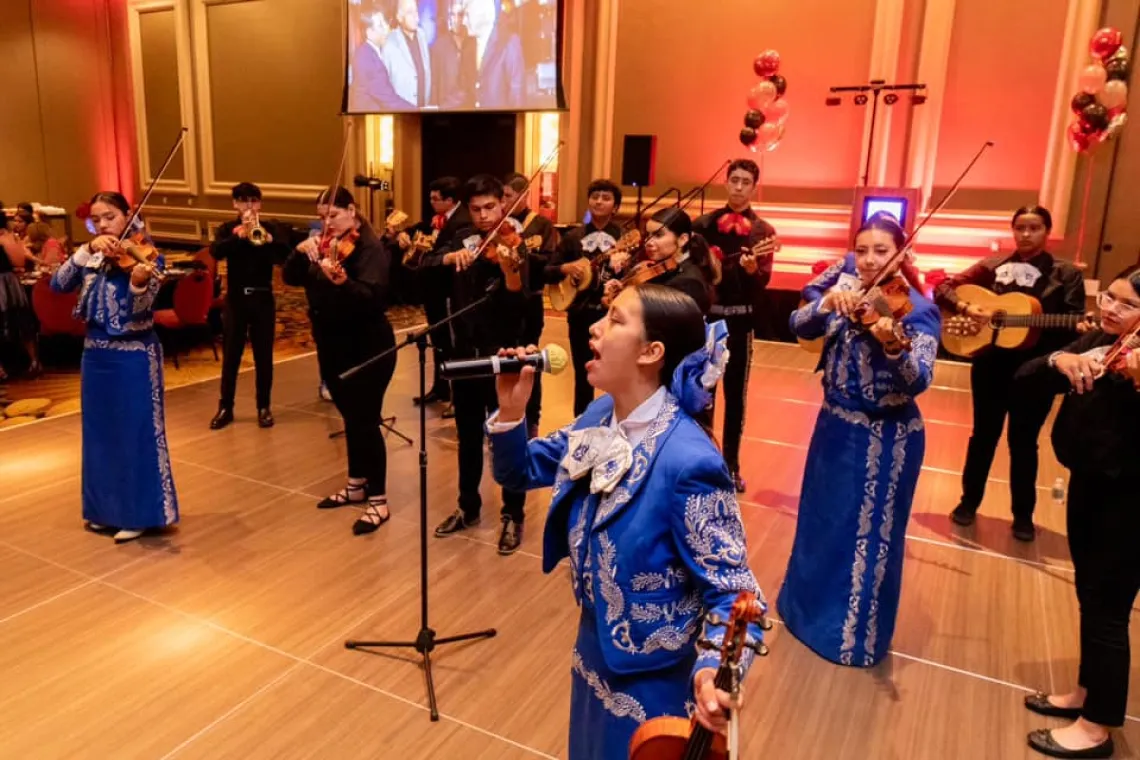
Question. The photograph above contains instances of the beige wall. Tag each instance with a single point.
(65, 112)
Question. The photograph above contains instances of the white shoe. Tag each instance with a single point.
(123, 536)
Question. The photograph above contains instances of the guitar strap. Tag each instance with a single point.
(529, 218)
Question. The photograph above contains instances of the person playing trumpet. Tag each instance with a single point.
(251, 250)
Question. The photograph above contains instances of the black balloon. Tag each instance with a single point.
(781, 84)
(1081, 101)
(753, 119)
(1095, 117)
(748, 137)
(1117, 68)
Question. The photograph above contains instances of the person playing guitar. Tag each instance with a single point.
(1059, 287)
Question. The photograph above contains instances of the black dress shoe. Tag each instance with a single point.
(264, 418)
(222, 418)
(455, 522)
(449, 412)
(1042, 740)
(963, 515)
(511, 537)
(1023, 529)
(1040, 704)
(432, 397)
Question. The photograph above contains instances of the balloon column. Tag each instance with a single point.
(1101, 102)
(767, 109)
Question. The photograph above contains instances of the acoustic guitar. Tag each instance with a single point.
(1017, 322)
(563, 293)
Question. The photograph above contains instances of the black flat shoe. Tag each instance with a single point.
(364, 525)
(1042, 740)
(1024, 531)
(341, 498)
(738, 483)
(1040, 704)
(264, 418)
(963, 515)
(222, 418)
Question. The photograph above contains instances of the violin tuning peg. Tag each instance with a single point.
(760, 649)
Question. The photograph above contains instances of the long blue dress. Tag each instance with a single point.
(127, 482)
(841, 592)
(648, 561)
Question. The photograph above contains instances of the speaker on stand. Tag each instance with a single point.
(639, 164)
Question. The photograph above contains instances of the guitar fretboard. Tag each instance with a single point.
(1043, 321)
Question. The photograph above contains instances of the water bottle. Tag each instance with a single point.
(1059, 490)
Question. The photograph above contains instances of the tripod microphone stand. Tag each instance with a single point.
(426, 640)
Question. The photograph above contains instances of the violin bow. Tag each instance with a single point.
(331, 192)
(881, 275)
(153, 183)
(522, 193)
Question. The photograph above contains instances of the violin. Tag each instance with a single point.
(132, 252)
(890, 299)
(673, 738)
(1117, 354)
(338, 249)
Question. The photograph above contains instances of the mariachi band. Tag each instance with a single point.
(657, 316)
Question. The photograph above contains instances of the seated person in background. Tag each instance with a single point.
(42, 246)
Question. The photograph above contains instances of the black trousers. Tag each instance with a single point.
(578, 324)
(532, 334)
(360, 399)
(435, 309)
(475, 400)
(254, 315)
(735, 385)
(1103, 525)
(993, 396)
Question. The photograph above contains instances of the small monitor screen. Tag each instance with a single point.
(896, 207)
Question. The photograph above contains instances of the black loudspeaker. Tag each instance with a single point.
(639, 160)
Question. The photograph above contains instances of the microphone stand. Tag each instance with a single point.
(426, 640)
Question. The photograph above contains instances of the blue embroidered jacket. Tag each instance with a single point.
(858, 373)
(665, 547)
(106, 300)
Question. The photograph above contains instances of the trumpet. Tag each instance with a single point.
(257, 234)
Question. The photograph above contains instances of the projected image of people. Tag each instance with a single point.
(453, 55)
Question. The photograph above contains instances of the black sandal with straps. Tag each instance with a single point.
(341, 499)
(364, 526)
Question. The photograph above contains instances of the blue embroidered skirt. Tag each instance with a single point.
(127, 482)
(606, 708)
(841, 592)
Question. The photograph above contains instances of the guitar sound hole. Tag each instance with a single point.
(997, 321)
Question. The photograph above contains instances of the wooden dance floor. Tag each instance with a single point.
(225, 638)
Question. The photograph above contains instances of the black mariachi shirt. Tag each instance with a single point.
(736, 286)
(250, 266)
(1095, 432)
(690, 280)
(1056, 284)
(500, 321)
(359, 304)
(585, 241)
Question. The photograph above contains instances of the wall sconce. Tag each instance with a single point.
(860, 100)
(834, 100)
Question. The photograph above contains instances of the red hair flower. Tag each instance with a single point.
(934, 278)
(820, 266)
(83, 211)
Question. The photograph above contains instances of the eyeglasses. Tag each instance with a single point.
(1106, 300)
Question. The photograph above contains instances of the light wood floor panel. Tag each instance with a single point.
(225, 637)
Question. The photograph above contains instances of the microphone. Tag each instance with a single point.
(552, 359)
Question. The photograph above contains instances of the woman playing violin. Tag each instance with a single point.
(675, 257)
(841, 591)
(127, 482)
(645, 510)
(345, 275)
(1095, 437)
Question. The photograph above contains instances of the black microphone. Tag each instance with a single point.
(552, 359)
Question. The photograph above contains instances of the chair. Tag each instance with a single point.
(55, 310)
(193, 296)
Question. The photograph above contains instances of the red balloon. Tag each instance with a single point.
(1079, 141)
(761, 95)
(1104, 43)
(767, 63)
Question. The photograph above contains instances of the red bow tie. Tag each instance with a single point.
(736, 224)
(716, 251)
(438, 221)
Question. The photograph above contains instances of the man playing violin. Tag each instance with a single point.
(345, 272)
(577, 252)
(486, 260)
(1095, 437)
(250, 306)
(744, 244)
(1059, 287)
(534, 226)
